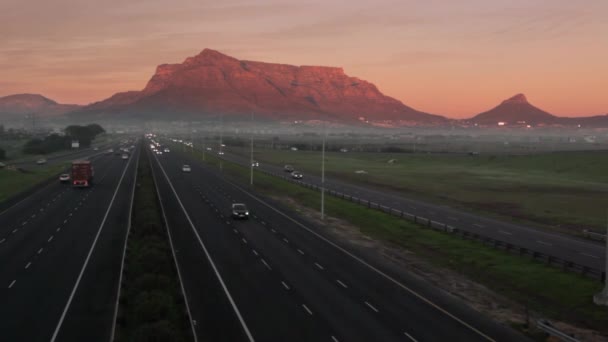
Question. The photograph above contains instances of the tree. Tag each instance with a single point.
(84, 134)
(2, 154)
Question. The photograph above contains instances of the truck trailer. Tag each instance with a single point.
(82, 173)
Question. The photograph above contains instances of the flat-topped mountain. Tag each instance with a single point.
(211, 83)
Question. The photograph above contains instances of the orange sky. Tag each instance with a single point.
(455, 58)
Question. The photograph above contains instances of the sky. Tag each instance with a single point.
(454, 58)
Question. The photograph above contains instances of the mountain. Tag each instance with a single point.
(211, 83)
(513, 111)
(15, 107)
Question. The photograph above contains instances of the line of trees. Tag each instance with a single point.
(55, 142)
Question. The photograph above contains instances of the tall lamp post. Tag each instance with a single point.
(323, 174)
(221, 141)
(602, 297)
(251, 153)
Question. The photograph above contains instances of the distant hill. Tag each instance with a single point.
(15, 107)
(212, 83)
(515, 110)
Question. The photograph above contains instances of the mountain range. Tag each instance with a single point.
(211, 83)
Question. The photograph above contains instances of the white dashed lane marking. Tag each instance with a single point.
(307, 309)
(371, 307)
(341, 283)
(11, 284)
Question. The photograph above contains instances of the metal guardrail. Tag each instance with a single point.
(550, 260)
(547, 327)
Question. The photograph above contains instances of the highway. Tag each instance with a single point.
(581, 251)
(61, 251)
(278, 277)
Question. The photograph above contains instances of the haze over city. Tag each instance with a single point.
(456, 59)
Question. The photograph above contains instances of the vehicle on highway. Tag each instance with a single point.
(166, 150)
(110, 151)
(82, 173)
(159, 152)
(125, 156)
(297, 175)
(64, 177)
(288, 168)
(208, 148)
(95, 148)
(255, 164)
(41, 161)
(221, 153)
(240, 211)
(186, 168)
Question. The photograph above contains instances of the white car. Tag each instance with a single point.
(186, 168)
(64, 178)
(125, 156)
(41, 161)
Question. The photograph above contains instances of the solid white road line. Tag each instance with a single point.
(285, 285)
(12, 283)
(371, 306)
(307, 309)
(124, 250)
(366, 264)
(179, 273)
(341, 283)
(215, 270)
(86, 261)
(410, 337)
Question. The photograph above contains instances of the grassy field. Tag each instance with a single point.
(566, 191)
(543, 289)
(13, 182)
(13, 148)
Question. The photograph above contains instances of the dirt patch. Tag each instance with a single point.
(477, 296)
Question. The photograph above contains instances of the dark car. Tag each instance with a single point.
(288, 168)
(239, 211)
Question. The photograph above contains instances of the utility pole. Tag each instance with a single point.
(323, 173)
(602, 297)
(251, 154)
(221, 140)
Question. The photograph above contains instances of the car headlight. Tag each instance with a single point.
(246, 213)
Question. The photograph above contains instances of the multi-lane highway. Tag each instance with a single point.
(578, 250)
(61, 251)
(278, 277)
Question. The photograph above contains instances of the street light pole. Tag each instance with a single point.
(323, 174)
(221, 140)
(251, 154)
(602, 297)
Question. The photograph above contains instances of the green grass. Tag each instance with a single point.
(546, 290)
(13, 182)
(566, 191)
(151, 304)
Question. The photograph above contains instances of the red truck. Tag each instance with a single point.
(82, 173)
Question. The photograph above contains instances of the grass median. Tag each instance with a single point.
(548, 291)
(151, 307)
(13, 182)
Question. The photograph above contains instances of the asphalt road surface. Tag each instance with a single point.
(581, 251)
(278, 277)
(61, 251)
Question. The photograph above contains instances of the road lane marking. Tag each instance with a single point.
(505, 232)
(266, 264)
(65, 221)
(40, 250)
(50, 239)
(410, 337)
(28, 265)
(59, 228)
(544, 243)
(215, 270)
(244, 240)
(366, 264)
(12, 283)
(86, 261)
(285, 285)
(24, 223)
(235, 231)
(371, 307)
(255, 252)
(286, 241)
(333, 338)
(300, 251)
(478, 225)
(341, 283)
(452, 218)
(307, 309)
(319, 266)
(273, 231)
(1, 241)
(15, 230)
(589, 255)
